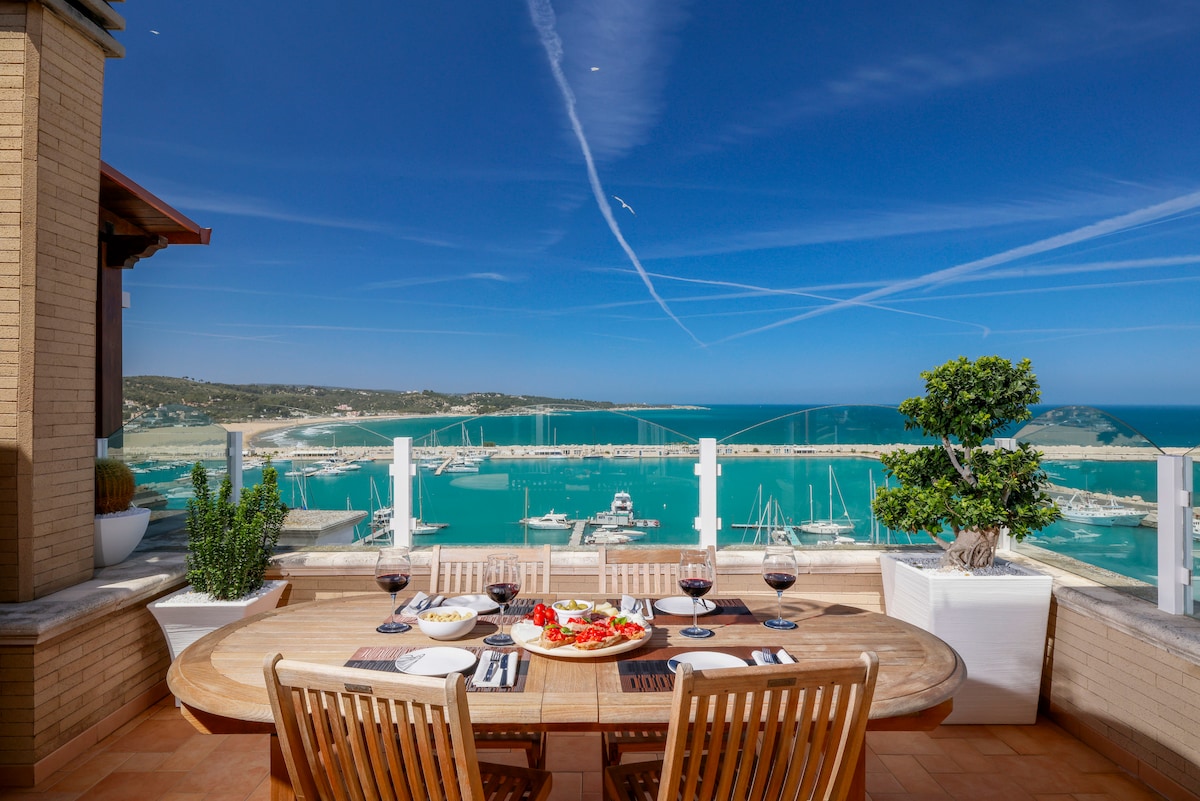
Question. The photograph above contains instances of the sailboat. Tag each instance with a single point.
(420, 527)
(381, 519)
(770, 526)
(838, 529)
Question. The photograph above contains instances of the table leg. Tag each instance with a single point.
(281, 782)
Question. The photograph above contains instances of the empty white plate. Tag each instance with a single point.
(705, 660)
(682, 605)
(480, 603)
(436, 661)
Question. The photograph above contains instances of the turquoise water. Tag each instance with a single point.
(485, 507)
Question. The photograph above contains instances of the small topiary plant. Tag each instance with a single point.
(960, 485)
(230, 545)
(115, 486)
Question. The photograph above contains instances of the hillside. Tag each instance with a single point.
(230, 403)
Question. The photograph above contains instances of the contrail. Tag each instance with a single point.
(542, 16)
(1112, 225)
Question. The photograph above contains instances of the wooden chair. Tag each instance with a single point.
(768, 733)
(459, 571)
(642, 573)
(364, 734)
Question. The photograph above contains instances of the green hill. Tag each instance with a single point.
(230, 403)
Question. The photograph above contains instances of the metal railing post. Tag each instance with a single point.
(1175, 534)
(708, 524)
(402, 471)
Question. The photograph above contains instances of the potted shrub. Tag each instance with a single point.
(229, 550)
(119, 525)
(965, 494)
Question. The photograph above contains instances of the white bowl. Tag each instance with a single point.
(583, 608)
(447, 629)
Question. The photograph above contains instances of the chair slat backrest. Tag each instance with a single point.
(459, 571)
(364, 735)
(778, 732)
(643, 572)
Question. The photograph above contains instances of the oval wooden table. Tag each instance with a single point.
(219, 679)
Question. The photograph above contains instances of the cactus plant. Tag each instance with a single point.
(115, 486)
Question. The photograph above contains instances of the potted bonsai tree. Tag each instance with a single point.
(229, 550)
(119, 525)
(964, 494)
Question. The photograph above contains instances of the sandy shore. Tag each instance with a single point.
(256, 428)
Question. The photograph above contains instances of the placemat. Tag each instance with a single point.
(728, 611)
(384, 658)
(647, 671)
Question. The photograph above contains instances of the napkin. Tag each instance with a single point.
(629, 603)
(783, 656)
(485, 659)
(414, 605)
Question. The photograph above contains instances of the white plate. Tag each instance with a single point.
(437, 661)
(706, 660)
(527, 635)
(480, 603)
(682, 605)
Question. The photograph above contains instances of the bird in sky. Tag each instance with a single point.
(625, 205)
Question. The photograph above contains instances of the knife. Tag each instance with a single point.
(491, 669)
(503, 670)
(649, 610)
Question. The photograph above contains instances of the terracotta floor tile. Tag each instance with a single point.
(129, 786)
(902, 742)
(982, 787)
(1047, 774)
(85, 775)
(227, 771)
(155, 735)
(910, 773)
(195, 751)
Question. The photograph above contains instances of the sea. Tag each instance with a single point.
(485, 508)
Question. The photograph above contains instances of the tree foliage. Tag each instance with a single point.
(230, 544)
(961, 485)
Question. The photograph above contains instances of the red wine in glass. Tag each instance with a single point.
(502, 593)
(392, 582)
(779, 571)
(779, 581)
(696, 576)
(392, 570)
(502, 583)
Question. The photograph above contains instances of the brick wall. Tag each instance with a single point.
(1134, 702)
(51, 87)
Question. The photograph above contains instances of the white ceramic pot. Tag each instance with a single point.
(118, 534)
(997, 624)
(186, 616)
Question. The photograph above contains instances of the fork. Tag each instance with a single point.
(768, 657)
(408, 660)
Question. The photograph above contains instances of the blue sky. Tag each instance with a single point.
(823, 199)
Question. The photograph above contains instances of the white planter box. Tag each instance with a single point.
(184, 623)
(997, 624)
(118, 534)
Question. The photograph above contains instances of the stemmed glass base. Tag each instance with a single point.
(695, 631)
(778, 622)
(393, 626)
(500, 639)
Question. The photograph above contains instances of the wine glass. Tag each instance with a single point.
(392, 571)
(695, 579)
(502, 583)
(779, 571)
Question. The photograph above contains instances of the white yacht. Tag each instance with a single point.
(1082, 508)
(551, 521)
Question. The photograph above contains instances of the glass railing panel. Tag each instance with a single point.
(161, 446)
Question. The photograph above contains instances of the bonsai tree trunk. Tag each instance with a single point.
(972, 549)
